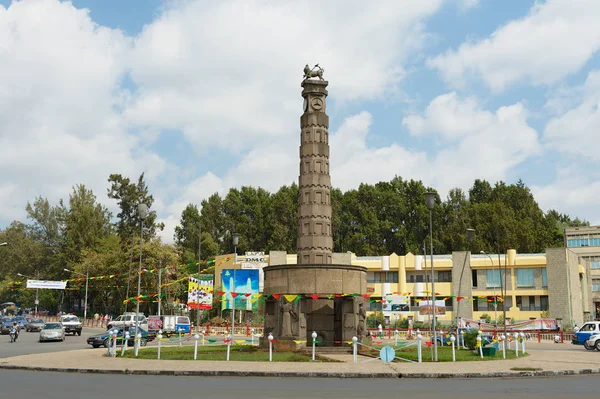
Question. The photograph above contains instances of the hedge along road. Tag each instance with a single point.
(52, 385)
(28, 343)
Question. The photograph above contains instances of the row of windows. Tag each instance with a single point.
(525, 278)
(442, 277)
(594, 261)
(524, 303)
(382, 277)
(584, 240)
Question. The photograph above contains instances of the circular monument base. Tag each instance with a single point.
(315, 279)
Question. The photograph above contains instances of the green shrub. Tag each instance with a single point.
(486, 317)
(375, 319)
(471, 339)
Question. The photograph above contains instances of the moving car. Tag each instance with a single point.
(582, 336)
(594, 342)
(104, 339)
(71, 324)
(52, 332)
(34, 325)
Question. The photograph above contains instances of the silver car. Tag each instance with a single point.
(34, 325)
(52, 332)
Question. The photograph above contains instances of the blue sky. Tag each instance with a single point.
(202, 96)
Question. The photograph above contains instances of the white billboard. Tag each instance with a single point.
(46, 284)
(254, 261)
(395, 304)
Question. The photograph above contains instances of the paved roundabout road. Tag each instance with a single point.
(28, 343)
(31, 384)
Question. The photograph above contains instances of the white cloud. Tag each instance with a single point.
(574, 192)
(476, 143)
(228, 73)
(58, 94)
(575, 131)
(554, 40)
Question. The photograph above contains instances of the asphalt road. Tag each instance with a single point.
(28, 343)
(30, 384)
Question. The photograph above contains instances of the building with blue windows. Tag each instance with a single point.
(585, 242)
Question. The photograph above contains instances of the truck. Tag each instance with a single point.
(169, 324)
(71, 324)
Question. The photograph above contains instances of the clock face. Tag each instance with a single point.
(305, 106)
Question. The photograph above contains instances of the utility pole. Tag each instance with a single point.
(159, 288)
(199, 270)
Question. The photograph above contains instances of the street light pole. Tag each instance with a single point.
(199, 270)
(142, 213)
(430, 200)
(236, 239)
(87, 275)
(36, 290)
(470, 235)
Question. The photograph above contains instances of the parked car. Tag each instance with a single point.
(582, 336)
(128, 319)
(52, 332)
(21, 321)
(104, 339)
(6, 325)
(34, 325)
(594, 342)
(71, 324)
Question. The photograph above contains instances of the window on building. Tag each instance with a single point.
(544, 302)
(596, 285)
(370, 278)
(474, 277)
(544, 277)
(391, 277)
(419, 278)
(594, 261)
(444, 277)
(525, 278)
(578, 240)
(519, 302)
(475, 305)
(493, 278)
(594, 240)
(531, 303)
(375, 306)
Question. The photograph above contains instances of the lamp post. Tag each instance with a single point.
(430, 201)
(236, 240)
(36, 291)
(142, 213)
(85, 306)
(199, 270)
(495, 297)
(470, 235)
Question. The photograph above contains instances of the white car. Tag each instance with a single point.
(594, 342)
(52, 332)
(127, 320)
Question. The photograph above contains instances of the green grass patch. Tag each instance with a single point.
(444, 354)
(238, 353)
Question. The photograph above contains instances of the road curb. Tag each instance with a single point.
(231, 373)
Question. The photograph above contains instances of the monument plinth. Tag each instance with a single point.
(334, 315)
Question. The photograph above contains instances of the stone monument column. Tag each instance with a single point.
(315, 241)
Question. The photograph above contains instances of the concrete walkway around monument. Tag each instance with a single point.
(557, 360)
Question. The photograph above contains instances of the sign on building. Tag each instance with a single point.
(256, 261)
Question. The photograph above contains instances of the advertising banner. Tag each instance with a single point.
(200, 291)
(537, 324)
(425, 308)
(45, 284)
(395, 304)
(243, 290)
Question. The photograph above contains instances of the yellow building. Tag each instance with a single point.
(556, 282)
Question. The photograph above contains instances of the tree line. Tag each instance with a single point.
(81, 235)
